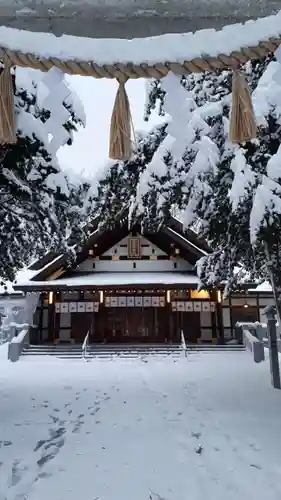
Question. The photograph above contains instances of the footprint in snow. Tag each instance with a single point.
(199, 449)
(95, 411)
(254, 447)
(54, 419)
(255, 466)
(16, 473)
(42, 475)
(196, 435)
(7, 443)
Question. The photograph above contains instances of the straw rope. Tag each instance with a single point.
(134, 71)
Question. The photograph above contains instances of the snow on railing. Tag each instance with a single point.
(17, 344)
(183, 344)
(85, 345)
(253, 345)
(21, 336)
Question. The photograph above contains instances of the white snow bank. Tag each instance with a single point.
(3, 353)
(169, 47)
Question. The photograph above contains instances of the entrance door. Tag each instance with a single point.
(191, 326)
(132, 324)
(81, 323)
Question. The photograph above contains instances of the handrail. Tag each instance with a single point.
(183, 344)
(85, 345)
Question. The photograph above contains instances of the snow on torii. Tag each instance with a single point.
(204, 50)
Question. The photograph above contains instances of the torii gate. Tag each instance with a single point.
(154, 57)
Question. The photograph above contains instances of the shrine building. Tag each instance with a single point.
(129, 287)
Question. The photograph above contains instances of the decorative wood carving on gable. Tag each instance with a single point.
(134, 248)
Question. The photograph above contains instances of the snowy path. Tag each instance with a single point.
(203, 428)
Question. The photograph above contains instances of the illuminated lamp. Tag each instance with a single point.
(203, 294)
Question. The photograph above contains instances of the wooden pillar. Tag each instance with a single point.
(220, 332)
(214, 326)
(258, 307)
(51, 322)
(41, 312)
(57, 319)
(167, 313)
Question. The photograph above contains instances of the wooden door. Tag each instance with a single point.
(132, 324)
(244, 314)
(81, 323)
(191, 326)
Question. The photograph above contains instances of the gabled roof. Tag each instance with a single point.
(170, 236)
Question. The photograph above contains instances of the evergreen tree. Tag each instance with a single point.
(114, 195)
(36, 209)
(235, 200)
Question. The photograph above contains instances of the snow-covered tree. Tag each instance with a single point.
(37, 209)
(235, 199)
(115, 189)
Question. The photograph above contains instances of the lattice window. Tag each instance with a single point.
(134, 248)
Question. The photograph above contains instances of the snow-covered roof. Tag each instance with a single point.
(23, 275)
(114, 279)
(263, 287)
(196, 248)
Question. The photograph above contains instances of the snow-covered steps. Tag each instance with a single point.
(123, 351)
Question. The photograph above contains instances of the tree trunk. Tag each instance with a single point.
(275, 281)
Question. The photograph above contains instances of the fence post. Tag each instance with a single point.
(238, 329)
(259, 331)
(270, 312)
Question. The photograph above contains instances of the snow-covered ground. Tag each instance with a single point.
(205, 427)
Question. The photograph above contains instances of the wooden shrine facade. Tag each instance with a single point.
(132, 288)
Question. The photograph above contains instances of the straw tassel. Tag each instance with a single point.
(8, 133)
(120, 143)
(242, 127)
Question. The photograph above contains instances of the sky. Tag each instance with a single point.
(89, 151)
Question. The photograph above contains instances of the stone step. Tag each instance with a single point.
(129, 351)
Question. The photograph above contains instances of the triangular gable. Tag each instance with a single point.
(124, 246)
(170, 240)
